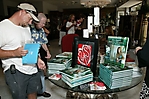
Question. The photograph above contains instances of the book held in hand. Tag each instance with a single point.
(32, 55)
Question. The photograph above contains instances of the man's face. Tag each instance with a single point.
(41, 24)
(26, 19)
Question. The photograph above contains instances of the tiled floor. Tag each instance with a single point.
(59, 93)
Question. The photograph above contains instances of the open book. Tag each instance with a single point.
(32, 55)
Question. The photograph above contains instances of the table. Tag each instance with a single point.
(77, 92)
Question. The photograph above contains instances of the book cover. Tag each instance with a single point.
(65, 55)
(59, 63)
(116, 50)
(97, 86)
(32, 55)
(59, 60)
(55, 76)
(76, 72)
(84, 55)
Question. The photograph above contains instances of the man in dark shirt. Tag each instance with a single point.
(143, 60)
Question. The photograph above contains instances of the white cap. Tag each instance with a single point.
(29, 8)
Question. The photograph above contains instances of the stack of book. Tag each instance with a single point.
(136, 69)
(60, 62)
(57, 64)
(65, 55)
(77, 76)
(113, 71)
(115, 77)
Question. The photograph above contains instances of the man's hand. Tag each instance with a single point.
(48, 55)
(19, 52)
(137, 48)
(41, 64)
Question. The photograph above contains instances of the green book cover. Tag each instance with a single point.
(116, 50)
(59, 63)
(76, 71)
(59, 60)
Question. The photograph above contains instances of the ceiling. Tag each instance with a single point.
(130, 3)
(72, 3)
(66, 3)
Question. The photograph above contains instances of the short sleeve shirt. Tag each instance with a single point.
(38, 35)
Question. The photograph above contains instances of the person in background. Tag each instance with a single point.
(39, 36)
(22, 80)
(103, 41)
(71, 24)
(47, 32)
(143, 61)
(47, 26)
(62, 29)
(109, 31)
(79, 28)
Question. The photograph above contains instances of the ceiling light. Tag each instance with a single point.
(90, 3)
(73, 2)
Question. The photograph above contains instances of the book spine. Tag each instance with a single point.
(78, 83)
(77, 79)
(64, 72)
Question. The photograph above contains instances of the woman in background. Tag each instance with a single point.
(109, 31)
(103, 42)
(71, 24)
(62, 32)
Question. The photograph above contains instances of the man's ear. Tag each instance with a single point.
(21, 12)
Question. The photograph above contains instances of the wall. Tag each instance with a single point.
(7, 3)
(48, 7)
(1, 10)
(38, 5)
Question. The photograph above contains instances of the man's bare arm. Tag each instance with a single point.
(19, 52)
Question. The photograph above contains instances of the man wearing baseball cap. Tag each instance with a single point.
(22, 80)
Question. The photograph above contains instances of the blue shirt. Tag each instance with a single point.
(38, 35)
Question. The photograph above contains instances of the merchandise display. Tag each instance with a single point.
(77, 75)
(58, 63)
(65, 55)
(116, 51)
(115, 77)
(113, 71)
